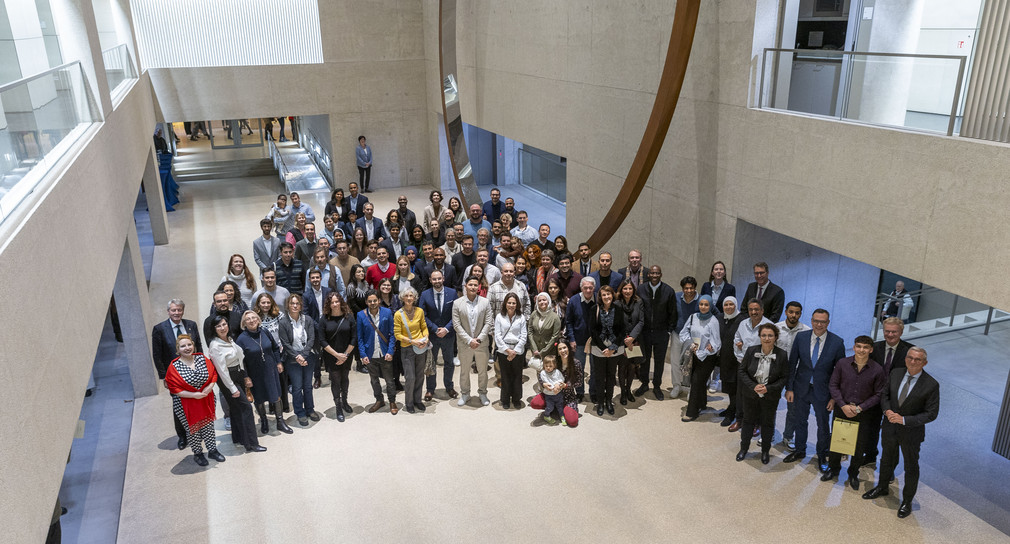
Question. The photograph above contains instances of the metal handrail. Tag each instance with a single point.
(840, 53)
(22, 81)
(278, 158)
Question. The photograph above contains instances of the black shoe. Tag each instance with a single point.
(793, 457)
(340, 417)
(726, 422)
(264, 426)
(215, 455)
(610, 406)
(345, 406)
(822, 464)
(314, 416)
(362, 370)
(740, 456)
(765, 458)
(659, 393)
(200, 459)
(685, 419)
(410, 410)
(724, 413)
(599, 410)
(874, 492)
(624, 399)
(631, 396)
(422, 407)
(593, 398)
(182, 444)
(853, 483)
(582, 398)
(303, 421)
(505, 405)
(256, 449)
(282, 426)
(641, 390)
(829, 475)
(905, 509)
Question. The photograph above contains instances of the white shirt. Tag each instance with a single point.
(369, 229)
(748, 335)
(527, 234)
(377, 350)
(787, 335)
(915, 380)
(491, 273)
(224, 355)
(472, 307)
(813, 343)
(707, 332)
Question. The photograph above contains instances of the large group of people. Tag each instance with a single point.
(411, 295)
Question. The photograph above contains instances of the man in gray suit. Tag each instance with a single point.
(266, 248)
(306, 247)
(472, 319)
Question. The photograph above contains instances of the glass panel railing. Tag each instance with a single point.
(118, 66)
(543, 172)
(917, 92)
(40, 117)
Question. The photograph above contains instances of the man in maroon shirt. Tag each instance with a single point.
(569, 278)
(856, 386)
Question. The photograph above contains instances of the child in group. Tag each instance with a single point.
(553, 382)
(279, 213)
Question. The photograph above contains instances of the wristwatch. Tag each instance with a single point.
(858, 410)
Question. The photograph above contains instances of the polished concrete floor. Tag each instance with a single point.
(484, 474)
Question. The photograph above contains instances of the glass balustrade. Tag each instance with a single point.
(40, 117)
(118, 66)
(916, 92)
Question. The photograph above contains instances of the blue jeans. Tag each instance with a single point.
(300, 378)
(801, 423)
(446, 346)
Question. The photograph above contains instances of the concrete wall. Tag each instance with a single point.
(372, 82)
(578, 79)
(814, 277)
(48, 357)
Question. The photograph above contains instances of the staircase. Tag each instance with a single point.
(243, 168)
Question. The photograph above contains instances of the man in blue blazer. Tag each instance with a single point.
(811, 362)
(310, 306)
(375, 345)
(355, 200)
(437, 306)
(378, 230)
(579, 316)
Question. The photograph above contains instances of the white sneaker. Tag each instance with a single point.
(462, 400)
(455, 361)
(484, 400)
(227, 423)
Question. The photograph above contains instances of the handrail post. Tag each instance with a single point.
(953, 310)
(988, 321)
(957, 96)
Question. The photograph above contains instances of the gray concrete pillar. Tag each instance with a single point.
(155, 194)
(880, 85)
(133, 302)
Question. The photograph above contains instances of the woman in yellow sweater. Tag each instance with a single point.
(411, 330)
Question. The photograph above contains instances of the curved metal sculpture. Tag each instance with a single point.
(685, 22)
(462, 171)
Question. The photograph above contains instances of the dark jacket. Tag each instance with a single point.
(661, 311)
(778, 374)
(620, 327)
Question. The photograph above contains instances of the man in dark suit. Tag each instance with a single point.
(660, 304)
(772, 297)
(373, 227)
(910, 401)
(223, 308)
(811, 362)
(438, 263)
(437, 306)
(163, 338)
(889, 353)
(355, 200)
(315, 295)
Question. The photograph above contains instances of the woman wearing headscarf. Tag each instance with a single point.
(544, 330)
(729, 322)
(702, 331)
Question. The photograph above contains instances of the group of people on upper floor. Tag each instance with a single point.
(484, 288)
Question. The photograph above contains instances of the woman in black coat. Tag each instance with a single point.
(729, 321)
(634, 319)
(763, 374)
(336, 335)
(608, 333)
